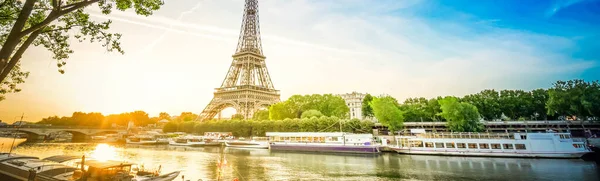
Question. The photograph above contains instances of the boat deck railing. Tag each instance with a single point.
(468, 135)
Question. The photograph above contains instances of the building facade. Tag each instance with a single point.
(354, 102)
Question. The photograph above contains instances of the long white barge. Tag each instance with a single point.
(530, 145)
(322, 142)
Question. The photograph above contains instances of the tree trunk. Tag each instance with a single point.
(14, 37)
(17, 57)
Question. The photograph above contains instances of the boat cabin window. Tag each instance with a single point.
(416, 144)
(329, 138)
(429, 144)
(520, 146)
(523, 137)
(460, 145)
(484, 146)
(578, 145)
(507, 146)
(449, 145)
(496, 146)
(439, 145)
(472, 145)
(565, 136)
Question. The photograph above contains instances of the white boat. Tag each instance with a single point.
(141, 140)
(256, 142)
(220, 137)
(532, 145)
(338, 142)
(108, 170)
(58, 168)
(192, 141)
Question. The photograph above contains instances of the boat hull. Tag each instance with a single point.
(326, 148)
(165, 177)
(247, 145)
(143, 142)
(569, 155)
(199, 144)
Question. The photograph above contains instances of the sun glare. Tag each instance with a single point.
(104, 152)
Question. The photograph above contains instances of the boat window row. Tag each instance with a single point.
(565, 136)
(505, 146)
(578, 145)
(303, 139)
(470, 135)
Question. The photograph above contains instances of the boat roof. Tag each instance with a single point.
(304, 133)
(6, 157)
(106, 164)
(61, 158)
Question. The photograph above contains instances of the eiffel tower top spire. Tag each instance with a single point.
(249, 40)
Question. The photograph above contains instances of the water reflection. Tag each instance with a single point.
(104, 152)
(212, 163)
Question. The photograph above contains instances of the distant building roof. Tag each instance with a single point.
(163, 121)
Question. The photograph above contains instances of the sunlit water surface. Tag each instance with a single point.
(248, 164)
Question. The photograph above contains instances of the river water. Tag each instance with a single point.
(249, 164)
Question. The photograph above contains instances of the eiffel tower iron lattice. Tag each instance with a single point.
(247, 87)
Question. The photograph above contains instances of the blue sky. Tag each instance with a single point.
(405, 48)
(575, 20)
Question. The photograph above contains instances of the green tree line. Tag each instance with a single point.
(93, 119)
(293, 107)
(573, 99)
(240, 127)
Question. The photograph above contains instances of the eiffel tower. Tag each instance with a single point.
(247, 86)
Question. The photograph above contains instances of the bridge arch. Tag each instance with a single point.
(31, 135)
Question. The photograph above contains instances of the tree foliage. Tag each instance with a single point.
(51, 24)
(139, 118)
(261, 115)
(293, 107)
(252, 127)
(387, 112)
(164, 115)
(311, 113)
(367, 110)
(576, 99)
(186, 116)
(460, 116)
(237, 117)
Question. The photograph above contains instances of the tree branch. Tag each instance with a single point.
(15, 59)
(14, 37)
(56, 14)
(60, 29)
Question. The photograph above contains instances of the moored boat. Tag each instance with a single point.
(15, 167)
(106, 170)
(529, 145)
(194, 141)
(338, 142)
(156, 139)
(220, 137)
(141, 140)
(256, 142)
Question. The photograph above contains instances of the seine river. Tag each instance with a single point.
(247, 164)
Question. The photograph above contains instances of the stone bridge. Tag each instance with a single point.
(79, 133)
